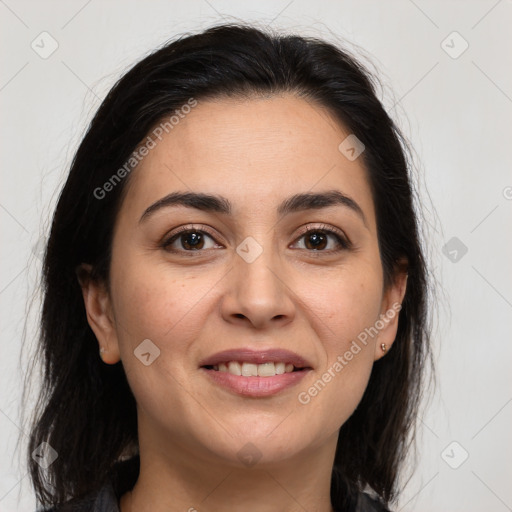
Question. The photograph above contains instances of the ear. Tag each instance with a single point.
(391, 305)
(99, 314)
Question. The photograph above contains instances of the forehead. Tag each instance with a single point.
(253, 150)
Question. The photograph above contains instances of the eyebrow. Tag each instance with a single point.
(220, 204)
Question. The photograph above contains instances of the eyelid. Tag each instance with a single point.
(168, 238)
(343, 239)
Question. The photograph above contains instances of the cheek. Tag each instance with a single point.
(154, 302)
(344, 305)
(343, 310)
(351, 352)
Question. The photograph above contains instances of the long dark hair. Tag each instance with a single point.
(86, 411)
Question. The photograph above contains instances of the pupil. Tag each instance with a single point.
(318, 240)
(192, 240)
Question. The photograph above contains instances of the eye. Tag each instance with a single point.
(319, 238)
(187, 239)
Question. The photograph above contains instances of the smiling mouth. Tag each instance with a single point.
(267, 369)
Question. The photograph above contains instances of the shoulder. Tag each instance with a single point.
(366, 503)
(103, 500)
(350, 498)
(106, 499)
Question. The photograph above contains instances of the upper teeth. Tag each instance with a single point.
(254, 370)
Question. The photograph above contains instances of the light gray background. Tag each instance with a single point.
(457, 112)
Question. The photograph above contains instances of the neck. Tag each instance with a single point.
(175, 480)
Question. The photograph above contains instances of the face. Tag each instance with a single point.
(272, 280)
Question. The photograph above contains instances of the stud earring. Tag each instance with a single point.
(383, 347)
(102, 351)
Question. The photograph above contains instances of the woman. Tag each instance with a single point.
(237, 237)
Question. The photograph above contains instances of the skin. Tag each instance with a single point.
(256, 152)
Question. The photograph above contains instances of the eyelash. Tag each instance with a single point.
(343, 242)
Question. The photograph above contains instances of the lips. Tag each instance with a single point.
(256, 357)
(255, 387)
(255, 373)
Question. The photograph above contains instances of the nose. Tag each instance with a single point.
(258, 293)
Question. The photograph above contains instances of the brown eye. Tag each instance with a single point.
(316, 240)
(188, 240)
(192, 240)
(324, 240)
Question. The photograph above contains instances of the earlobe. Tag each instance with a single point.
(99, 314)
